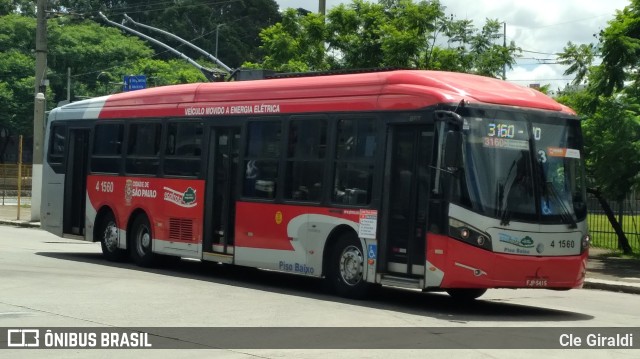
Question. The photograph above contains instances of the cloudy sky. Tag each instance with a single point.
(540, 27)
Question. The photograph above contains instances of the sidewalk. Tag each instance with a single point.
(605, 272)
(9, 215)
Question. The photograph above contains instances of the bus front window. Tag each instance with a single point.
(524, 167)
(559, 163)
(498, 171)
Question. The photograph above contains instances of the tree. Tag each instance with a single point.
(612, 148)
(391, 33)
(24, 7)
(296, 43)
(611, 104)
(89, 49)
(16, 73)
(579, 58)
(620, 45)
(193, 20)
(98, 57)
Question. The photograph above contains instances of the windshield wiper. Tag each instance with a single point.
(565, 214)
(506, 189)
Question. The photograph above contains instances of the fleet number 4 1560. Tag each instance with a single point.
(564, 244)
(104, 186)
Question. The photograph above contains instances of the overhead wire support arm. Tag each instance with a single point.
(210, 74)
(210, 56)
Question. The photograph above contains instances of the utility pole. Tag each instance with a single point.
(504, 44)
(217, 30)
(39, 109)
(322, 7)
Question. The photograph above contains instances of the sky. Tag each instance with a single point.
(541, 28)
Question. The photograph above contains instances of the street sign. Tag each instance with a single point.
(132, 83)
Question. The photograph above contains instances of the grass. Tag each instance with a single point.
(603, 235)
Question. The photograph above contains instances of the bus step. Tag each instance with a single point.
(217, 257)
(402, 282)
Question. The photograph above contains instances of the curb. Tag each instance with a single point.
(611, 286)
(23, 224)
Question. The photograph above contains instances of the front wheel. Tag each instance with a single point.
(346, 271)
(466, 294)
(141, 252)
(109, 236)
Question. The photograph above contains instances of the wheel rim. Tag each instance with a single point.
(110, 236)
(351, 265)
(143, 242)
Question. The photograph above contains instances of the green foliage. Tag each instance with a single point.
(193, 20)
(23, 7)
(610, 102)
(579, 58)
(612, 147)
(295, 44)
(620, 45)
(392, 33)
(85, 47)
(98, 56)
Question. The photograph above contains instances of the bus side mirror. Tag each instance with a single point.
(453, 150)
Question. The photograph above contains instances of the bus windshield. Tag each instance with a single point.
(520, 166)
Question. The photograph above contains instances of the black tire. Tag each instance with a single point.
(141, 242)
(466, 294)
(346, 268)
(109, 235)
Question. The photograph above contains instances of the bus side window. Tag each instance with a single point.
(107, 148)
(57, 144)
(143, 148)
(183, 149)
(354, 163)
(305, 159)
(262, 159)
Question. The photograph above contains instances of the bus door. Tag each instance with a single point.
(407, 196)
(75, 184)
(220, 209)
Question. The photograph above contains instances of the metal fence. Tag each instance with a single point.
(627, 213)
(15, 183)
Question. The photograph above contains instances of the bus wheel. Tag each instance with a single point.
(347, 268)
(109, 235)
(466, 294)
(141, 242)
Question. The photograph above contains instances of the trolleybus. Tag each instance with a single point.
(419, 179)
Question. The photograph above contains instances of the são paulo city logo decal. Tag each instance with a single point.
(128, 191)
(186, 199)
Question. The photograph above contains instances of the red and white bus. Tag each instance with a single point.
(419, 179)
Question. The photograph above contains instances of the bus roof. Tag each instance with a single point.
(392, 90)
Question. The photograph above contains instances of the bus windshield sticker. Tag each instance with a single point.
(563, 152)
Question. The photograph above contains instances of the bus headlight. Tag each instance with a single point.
(467, 234)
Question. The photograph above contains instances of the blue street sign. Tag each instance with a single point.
(132, 83)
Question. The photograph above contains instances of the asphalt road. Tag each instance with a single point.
(46, 281)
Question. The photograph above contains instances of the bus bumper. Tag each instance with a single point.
(465, 266)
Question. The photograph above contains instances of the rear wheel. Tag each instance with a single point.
(109, 236)
(141, 252)
(466, 294)
(346, 271)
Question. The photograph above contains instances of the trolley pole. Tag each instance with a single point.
(39, 108)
